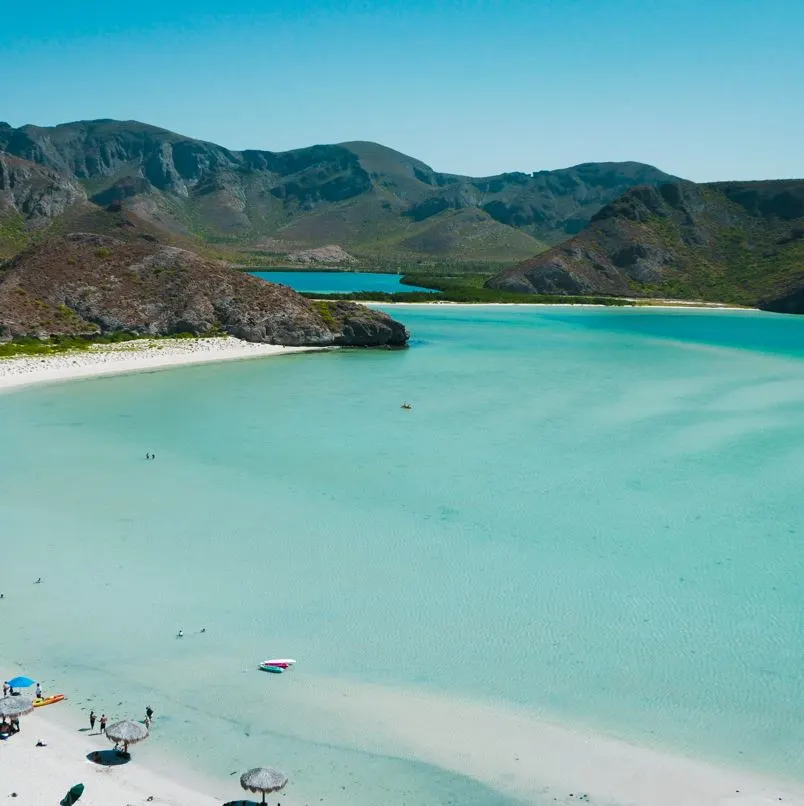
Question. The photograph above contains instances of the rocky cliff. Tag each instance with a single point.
(363, 196)
(740, 242)
(87, 284)
(35, 192)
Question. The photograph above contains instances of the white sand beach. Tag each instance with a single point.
(43, 775)
(142, 355)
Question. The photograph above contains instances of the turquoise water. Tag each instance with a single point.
(339, 282)
(604, 503)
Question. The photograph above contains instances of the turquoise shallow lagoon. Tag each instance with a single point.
(592, 514)
(339, 282)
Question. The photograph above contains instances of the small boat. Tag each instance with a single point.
(48, 700)
(285, 663)
(267, 667)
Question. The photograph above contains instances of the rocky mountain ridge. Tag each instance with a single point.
(362, 196)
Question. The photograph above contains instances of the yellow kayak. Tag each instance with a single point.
(48, 700)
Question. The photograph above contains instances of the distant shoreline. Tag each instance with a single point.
(132, 356)
(660, 304)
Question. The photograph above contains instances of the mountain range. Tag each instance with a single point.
(738, 242)
(371, 200)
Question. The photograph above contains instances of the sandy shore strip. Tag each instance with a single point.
(526, 756)
(140, 355)
(638, 304)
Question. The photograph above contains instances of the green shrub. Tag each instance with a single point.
(325, 311)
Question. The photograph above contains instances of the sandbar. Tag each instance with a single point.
(529, 756)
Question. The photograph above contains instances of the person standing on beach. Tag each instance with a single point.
(103, 723)
(92, 719)
(38, 692)
(149, 713)
(5, 689)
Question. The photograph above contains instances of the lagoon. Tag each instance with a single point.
(591, 515)
(340, 282)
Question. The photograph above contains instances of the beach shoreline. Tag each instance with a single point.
(510, 750)
(140, 355)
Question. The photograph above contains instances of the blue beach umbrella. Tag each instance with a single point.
(20, 682)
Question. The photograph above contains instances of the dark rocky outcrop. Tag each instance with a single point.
(740, 242)
(86, 284)
(360, 195)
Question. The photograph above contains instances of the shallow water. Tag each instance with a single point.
(339, 282)
(590, 513)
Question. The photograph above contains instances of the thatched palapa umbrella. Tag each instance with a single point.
(15, 706)
(126, 732)
(263, 779)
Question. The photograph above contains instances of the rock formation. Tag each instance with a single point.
(88, 284)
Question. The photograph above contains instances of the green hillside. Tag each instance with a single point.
(739, 242)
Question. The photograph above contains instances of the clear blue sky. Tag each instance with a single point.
(708, 90)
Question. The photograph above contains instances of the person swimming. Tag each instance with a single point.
(180, 634)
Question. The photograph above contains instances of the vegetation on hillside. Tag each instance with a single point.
(463, 288)
(734, 242)
(14, 235)
(84, 285)
(31, 346)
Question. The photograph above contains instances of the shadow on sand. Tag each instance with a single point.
(247, 802)
(108, 758)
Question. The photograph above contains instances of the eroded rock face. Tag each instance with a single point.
(37, 193)
(87, 284)
(331, 255)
